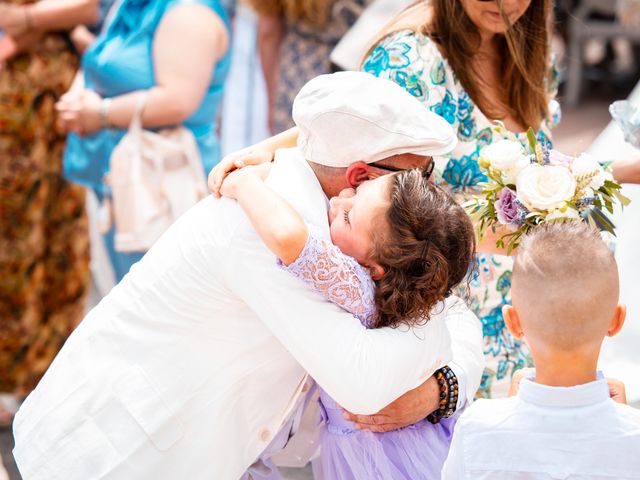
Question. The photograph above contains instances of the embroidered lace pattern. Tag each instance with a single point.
(337, 277)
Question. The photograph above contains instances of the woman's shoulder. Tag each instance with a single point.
(139, 15)
(215, 5)
(408, 49)
(411, 38)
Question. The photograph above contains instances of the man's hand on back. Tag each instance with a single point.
(410, 408)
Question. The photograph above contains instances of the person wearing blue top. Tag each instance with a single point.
(178, 51)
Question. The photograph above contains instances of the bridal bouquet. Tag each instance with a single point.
(527, 187)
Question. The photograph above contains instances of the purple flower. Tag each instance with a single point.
(507, 207)
(559, 159)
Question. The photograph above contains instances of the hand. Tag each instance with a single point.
(82, 38)
(79, 112)
(617, 390)
(517, 378)
(241, 178)
(8, 48)
(410, 408)
(14, 19)
(241, 158)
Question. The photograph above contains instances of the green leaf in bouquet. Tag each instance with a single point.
(624, 200)
(608, 205)
(597, 202)
(512, 239)
(496, 177)
(598, 219)
(531, 137)
(611, 185)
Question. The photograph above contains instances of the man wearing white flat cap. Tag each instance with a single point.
(193, 365)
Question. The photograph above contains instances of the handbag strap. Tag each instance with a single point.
(136, 119)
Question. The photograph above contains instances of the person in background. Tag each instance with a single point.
(561, 423)
(473, 63)
(295, 39)
(178, 51)
(44, 245)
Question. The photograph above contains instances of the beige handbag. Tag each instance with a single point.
(154, 177)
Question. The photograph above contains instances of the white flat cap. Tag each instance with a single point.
(347, 117)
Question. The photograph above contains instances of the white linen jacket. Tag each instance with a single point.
(189, 367)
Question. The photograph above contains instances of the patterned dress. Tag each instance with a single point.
(44, 246)
(413, 61)
(304, 54)
(412, 453)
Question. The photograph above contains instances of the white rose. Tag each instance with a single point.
(545, 187)
(510, 176)
(585, 164)
(502, 155)
(568, 214)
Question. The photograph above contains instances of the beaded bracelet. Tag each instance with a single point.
(448, 383)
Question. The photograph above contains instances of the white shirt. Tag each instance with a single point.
(190, 366)
(547, 433)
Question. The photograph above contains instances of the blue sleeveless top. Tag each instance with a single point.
(121, 61)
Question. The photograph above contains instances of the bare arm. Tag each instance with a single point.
(82, 38)
(181, 80)
(626, 171)
(281, 228)
(47, 15)
(271, 31)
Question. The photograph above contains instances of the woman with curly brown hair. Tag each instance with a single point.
(295, 38)
(399, 246)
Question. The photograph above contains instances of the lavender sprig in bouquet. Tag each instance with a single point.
(528, 187)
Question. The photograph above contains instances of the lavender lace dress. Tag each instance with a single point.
(412, 453)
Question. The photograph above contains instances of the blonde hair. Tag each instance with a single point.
(314, 12)
(565, 285)
(524, 50)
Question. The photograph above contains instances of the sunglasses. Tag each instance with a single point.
(426, 171)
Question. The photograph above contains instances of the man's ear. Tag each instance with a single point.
(512, 320)
(357, 173)
(619, 316)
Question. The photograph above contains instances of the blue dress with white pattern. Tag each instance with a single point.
(413, 61)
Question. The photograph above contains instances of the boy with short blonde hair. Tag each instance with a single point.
(561, 423)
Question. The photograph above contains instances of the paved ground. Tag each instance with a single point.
(6, 445)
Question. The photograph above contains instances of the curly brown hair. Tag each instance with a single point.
(426, 249)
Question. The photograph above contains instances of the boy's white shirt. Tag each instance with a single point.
(547, 433)
(193, 362)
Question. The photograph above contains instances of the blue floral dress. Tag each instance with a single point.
(413, 61)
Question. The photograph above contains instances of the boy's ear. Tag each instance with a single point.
(512, 320)
(357, 173)
(619, 316)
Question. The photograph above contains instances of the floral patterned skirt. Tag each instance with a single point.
(44, 246)
(489, 289)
